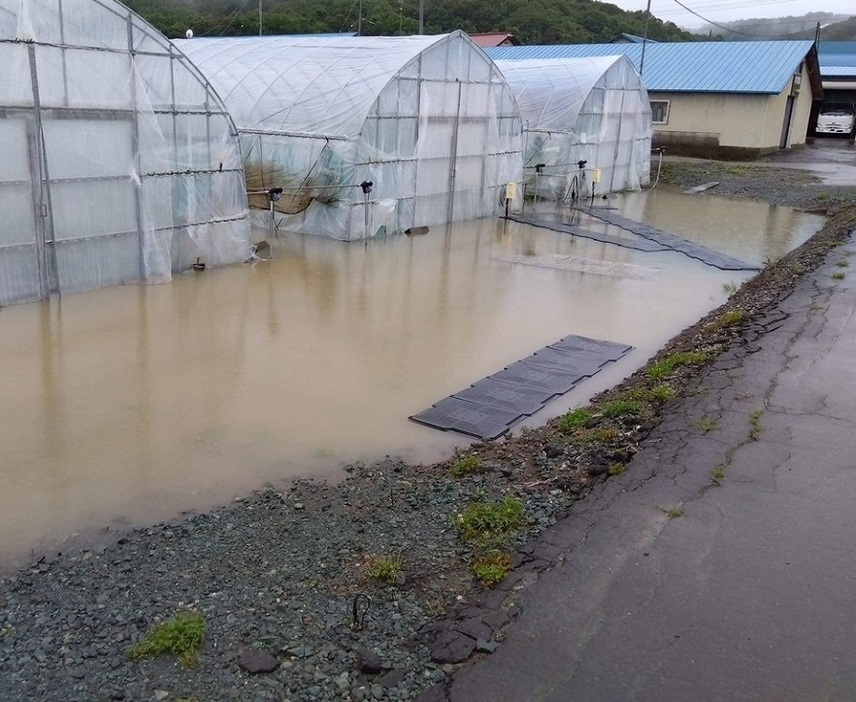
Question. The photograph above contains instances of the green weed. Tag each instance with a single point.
(617, 469)
(706, 424)
(728, 319)
(843, 263)
(181, 636)
(599, 435)
(621, 407)
(660, 393)
(838, 275)
(718, 473)
(755, 424)
(729, 287)
(580, 417)
(384, 568)
(664, 368)
(490, 522)
(672, 511)
(492, 567)
(466, 465)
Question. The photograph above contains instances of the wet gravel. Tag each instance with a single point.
(276, 575)
(779, 186)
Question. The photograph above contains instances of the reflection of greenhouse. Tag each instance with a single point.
(588, 109)
(120, 164)
(428, 120)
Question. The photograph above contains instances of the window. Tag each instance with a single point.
(660, 111)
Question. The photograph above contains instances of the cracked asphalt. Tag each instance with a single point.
(748, 594)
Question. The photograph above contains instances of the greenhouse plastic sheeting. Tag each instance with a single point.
(587, 109)
(428, 120)
(120, 163)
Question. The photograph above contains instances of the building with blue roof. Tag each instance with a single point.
(720, 99)
(838, 70)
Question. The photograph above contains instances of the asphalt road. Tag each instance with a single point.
(749, 593)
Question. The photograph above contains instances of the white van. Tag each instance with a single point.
(837, 118)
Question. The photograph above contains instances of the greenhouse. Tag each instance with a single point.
(588, 109)
(120, 163)
(367, 134)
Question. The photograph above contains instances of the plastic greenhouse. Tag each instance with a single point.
(429, 121)
(120, 163)
(587, 109)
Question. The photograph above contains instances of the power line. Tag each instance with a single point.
(716, 24)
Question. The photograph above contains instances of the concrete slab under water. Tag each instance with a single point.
(131, 404)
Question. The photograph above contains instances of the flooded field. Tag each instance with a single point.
(128, 405)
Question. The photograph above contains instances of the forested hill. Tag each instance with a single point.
(531, 21)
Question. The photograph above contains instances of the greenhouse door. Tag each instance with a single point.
(25, 271)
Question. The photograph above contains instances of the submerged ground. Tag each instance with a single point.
(365, 590)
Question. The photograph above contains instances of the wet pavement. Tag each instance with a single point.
(134, 403)
(833, 160)
(744, 591)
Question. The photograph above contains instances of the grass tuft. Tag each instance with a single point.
(617, 469)
(664, 368)
(755, 424)
(487, 523)
(718, 473)
(672, 511)
(838, 275)
(729, 287)
(181, 636)
(843, 263)
(466, 465)
(728, 319)
(621, 407)
(706, 424)
(492, 567)
(575, 419)
(385, 569)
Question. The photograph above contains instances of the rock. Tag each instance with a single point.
(553, 450)
(256, 662)
(368, 662)
(452, 647)
(484, 646)
(161, 695)
(401, 579)
(393, 678)
(598, 469)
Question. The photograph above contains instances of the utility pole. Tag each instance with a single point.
(645, 39)
(360, 19)
(260, 17)
(421, 17)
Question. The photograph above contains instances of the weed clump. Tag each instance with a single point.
(466, 465)
(601, 435)
(492, 567)
(672, 511)
(706, 424)
(575, 419)
(617, 469)
(755, 424)
(620, 407)
(487, 523)
(718, 473)
(181, 636)
(384, 568)
(838, 275)
(664, 368)
(728, 319)
(660, 393)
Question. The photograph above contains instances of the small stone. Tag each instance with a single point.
(368, 662)
(485, 646)
(553, 450)
(298, 505)
(394, 678)
(401, 579)
(256, 662)
(161, 695)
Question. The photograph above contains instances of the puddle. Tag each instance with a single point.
(130, 404)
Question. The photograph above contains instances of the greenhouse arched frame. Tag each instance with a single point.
(121, 163)
(428, 121)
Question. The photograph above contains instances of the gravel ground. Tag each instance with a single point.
(277, 575)
(780, 186)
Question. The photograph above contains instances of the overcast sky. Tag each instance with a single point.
(727, 10)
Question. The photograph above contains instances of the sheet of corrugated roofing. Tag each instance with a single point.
(692, 67)
(838, 71)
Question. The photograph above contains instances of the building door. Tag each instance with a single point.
(786, 125)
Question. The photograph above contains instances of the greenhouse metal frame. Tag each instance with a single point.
(582, 109)
(426, 125)
(121, 163)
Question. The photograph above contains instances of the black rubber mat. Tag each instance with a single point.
(545, 222)
(688, 248)
(489, 408)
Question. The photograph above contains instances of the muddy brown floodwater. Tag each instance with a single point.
(131, 404)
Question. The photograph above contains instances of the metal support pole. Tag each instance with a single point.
(645, 38)
(421, 17)
(260, 17)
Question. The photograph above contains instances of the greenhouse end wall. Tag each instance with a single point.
(589, 109)
(429, 121)
(120, 165)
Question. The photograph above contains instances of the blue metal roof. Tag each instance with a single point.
(838, 71)
(836, 53)
(690, 67)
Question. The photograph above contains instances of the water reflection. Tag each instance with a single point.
(130, 404)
